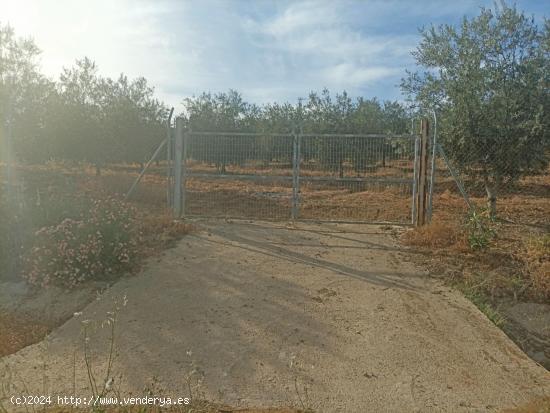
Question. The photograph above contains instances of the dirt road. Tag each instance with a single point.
(328, 316)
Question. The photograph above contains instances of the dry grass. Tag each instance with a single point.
(535, 255)
(270, 199)
(436, 235)
(160, 231)
(517, 262)
(259, 200)
(527, 203)
(537, 406)
(17, 332)
(394, 168)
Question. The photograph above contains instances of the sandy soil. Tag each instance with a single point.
(329, 316)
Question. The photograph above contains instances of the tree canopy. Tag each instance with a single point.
(488, 81)
(82, 116)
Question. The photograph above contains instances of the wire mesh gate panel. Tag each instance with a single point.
(336, 177)
(238, 175)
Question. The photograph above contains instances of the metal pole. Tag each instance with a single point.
(415, 179)
(170, 166)
(455, 177)
(145, 169)
(177, 204)
(296, 175)
(169, 160)
(184, 173)
(432, 171)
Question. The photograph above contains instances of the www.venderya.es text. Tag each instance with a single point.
(75, 401)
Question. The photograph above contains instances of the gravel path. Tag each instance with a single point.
(328, 316)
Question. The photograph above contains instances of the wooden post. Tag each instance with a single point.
(178, 155)
(422, 173)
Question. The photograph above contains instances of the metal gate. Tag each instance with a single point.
(324, 177)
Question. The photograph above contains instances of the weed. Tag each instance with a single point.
(481, 288)
(480, 227)
(482, 303)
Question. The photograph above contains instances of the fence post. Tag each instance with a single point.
(415, 179)
(169, 143)
(184, 172)
(422, 173)
(432, 170)
(296, 138)
(177, 203)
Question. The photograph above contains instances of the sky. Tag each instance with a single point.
(267, 50)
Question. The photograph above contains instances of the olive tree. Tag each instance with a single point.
(24, 96)
(488, 79)
(222, 112)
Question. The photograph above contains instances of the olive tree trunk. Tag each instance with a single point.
(491, 188)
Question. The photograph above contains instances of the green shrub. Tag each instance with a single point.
(480, 229)
(100, 243)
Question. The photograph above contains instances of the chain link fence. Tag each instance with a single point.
(481, 179)
(329, 177)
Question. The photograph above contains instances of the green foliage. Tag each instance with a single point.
(86, 117)
(81, 117)
(488, 78)
(101, 120)
(481, 230)
(319, 114)
(23, 93)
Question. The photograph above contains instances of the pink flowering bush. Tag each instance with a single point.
(99, 244)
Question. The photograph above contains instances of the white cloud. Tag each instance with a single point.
(348, 74)
(328, 47)
(302, 16)
(277, 50)
(185, 48)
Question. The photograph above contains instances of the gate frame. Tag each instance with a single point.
(419, 179)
